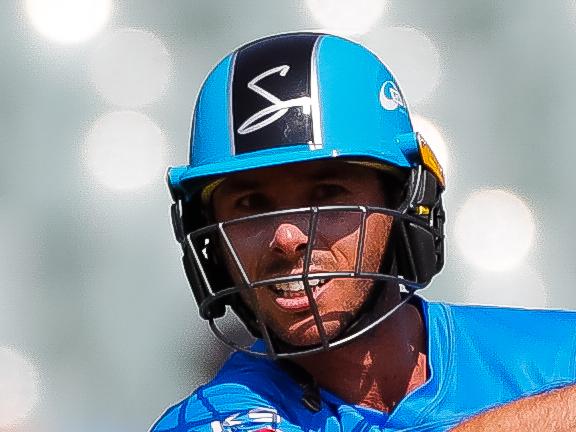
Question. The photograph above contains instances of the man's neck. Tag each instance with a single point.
(379, 369)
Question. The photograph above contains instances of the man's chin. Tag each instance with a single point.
(308, 335)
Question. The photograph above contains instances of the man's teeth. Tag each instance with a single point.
(297, 285)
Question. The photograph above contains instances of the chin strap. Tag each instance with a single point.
(310, 392)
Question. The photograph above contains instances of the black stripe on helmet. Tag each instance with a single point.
(271, 93)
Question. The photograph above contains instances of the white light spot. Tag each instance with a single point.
(522, 287)
(347, 17)
(411, 56)
(18, 387)
(131, 68)
(125, 150)
(435, 139)
(205, 249)
(494, 230)
(68, 21)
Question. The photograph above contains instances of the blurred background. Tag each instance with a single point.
(98, 329)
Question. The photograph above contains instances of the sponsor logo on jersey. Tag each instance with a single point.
(255, 420)
(278, 108)
(390, 96)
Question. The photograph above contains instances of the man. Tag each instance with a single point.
(312, 210)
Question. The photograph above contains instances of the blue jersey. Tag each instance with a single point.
(478, 357)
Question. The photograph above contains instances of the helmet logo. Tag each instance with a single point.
(278, 108)
(394, 99)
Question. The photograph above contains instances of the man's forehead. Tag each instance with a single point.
(286, 178)
(314, 171)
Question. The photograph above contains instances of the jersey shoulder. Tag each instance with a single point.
(516, 328)
(484, 356)
(531, 350)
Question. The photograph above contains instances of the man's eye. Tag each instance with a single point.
(329, 191)
(253, 202)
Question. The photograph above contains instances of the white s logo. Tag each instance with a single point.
(278, 107)
(395, 100)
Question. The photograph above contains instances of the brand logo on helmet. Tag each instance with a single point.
(390, 96)
(277, 109)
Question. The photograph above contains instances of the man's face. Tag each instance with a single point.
(276, 246)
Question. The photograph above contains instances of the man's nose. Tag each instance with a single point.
(289, 240)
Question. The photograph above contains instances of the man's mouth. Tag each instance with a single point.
(296, 288)
(292, 295)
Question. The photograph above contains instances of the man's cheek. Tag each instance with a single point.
(378, 228)
(249, 297)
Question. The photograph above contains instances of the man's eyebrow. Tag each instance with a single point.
(235, 185)
(328, 176)
(336, 173)
(239, 185)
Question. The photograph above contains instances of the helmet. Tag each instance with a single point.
(292, 98)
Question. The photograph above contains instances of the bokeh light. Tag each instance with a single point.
(131, 68)
(68, 21)
(125, 150)
(411, 56)
(521, 287)
(434, 137)
(494, 229)
(19, 387)
(345, 17)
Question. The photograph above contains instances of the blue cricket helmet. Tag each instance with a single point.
(293, 98)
